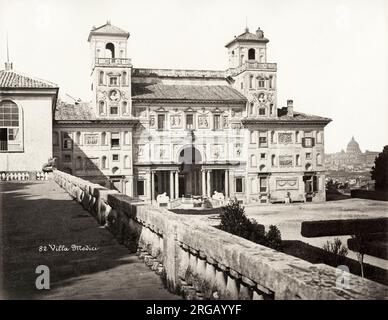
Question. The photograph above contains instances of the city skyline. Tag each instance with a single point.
(324, 79)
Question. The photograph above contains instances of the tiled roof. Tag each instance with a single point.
(160, 91)
(299, 116)
(80, 111)
(109, 29)
(14, 79)
(248, 36)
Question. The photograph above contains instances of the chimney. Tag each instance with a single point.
(290, 108)
(8, 66)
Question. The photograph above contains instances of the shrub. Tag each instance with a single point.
(337, 248)
(234, 220)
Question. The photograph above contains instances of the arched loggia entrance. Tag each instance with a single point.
(190, 176)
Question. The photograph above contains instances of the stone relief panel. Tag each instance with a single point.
(237, 150)
(101, 95)
(176, 121)
(91, 139)
(140, 151)
(161, 152)
(285, 137)
(287, 184)
(203, 122)
(286, 160)
(217, 151)
(152, 121)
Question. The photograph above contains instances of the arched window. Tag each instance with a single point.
(103, 138)
(273, 160)
(241, 59)
(104, 163)
(272, 136)
(297, 137)
(78, 163)
(110, 50)
(253, 161)
(297, 160)
(124, 81)
(10, 126)
(251, 54)
(251, 105)
(127, 162)
(250, 82)
(271, 108)
(101, 78)
(319, 159)
(101, 108)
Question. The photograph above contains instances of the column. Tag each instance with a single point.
(176, 184)
(149, 185)
(171, 185)
(226, 184)
(152, 186)
(203, 183)
(208, 172)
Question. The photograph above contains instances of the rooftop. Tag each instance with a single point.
(15, 79)
(249, 37)
(186, 92)
(108, 29)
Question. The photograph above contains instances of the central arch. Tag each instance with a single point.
(190, 176)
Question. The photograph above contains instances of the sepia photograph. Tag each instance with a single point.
(215, 152)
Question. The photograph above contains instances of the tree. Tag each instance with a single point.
(337, 248)
(379, 172)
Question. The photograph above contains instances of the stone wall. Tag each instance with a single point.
(201, 261)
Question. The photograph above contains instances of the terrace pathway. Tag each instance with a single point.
(40, 213)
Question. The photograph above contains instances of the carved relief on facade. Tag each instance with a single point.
(101, 95)
(161, 152)
(285, 137)
(286, 160)
(139, 151)
(203, 122)
(287, 184)
(217, 151)
(91, 139)
(152, 121)
(176, 121)
(114, 95)
(225, 122)
(237, 150)
(92, 164)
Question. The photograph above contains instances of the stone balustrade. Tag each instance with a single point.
(23, 175)
(203, 262)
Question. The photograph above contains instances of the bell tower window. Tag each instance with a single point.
(101, 78)
(251, 54)
(110, 50)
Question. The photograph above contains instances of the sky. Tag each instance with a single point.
(332, 55)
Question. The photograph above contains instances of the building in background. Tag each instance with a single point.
(26, 119)
(352, 159)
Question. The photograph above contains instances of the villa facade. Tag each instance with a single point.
(190, 133)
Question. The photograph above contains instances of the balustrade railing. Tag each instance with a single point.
(23, 175)
(203, 262)
(113, 61)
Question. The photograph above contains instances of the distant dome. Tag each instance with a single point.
(353, 147)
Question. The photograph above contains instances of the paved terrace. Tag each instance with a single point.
(40, 213)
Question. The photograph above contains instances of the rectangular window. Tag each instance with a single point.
(189, 121)
(261, 111)
(113, 81)
(161, 122)
(239, 184)
(217, 122)
(67, 142)
(114, 110)
(140, 187)
(263, 184)
(263, 155)
(263, 143)
(308, 142)
(67, 158)
(115, 140)
(315, 183)
(261, 83)
(115, 157)
(308, 156)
